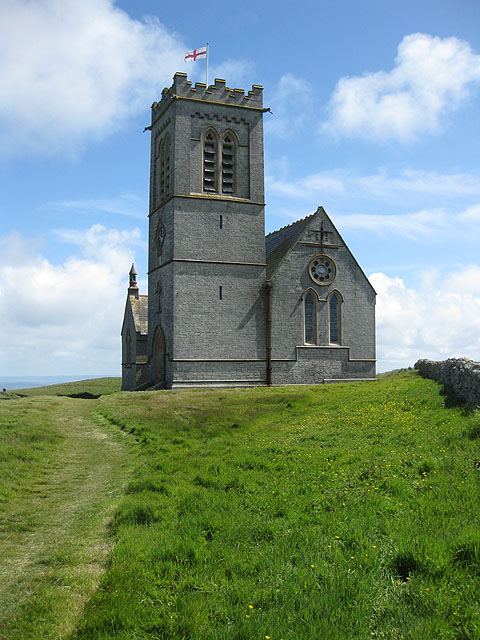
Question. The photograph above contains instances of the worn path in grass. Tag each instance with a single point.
(53, 538)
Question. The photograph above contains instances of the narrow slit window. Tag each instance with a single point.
(128, 341)
(166, 162)
(334, 320)
(221, 222)
(156, 162)
(309, 319)
(220, 292)
(210, 163)
(162, 170)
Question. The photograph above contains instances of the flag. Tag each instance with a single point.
(196, 54)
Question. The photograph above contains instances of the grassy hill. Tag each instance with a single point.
(91, 388)
(344, 511)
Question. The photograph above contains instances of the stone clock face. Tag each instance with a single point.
(322, 270)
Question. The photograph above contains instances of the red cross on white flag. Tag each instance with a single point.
(196, 54)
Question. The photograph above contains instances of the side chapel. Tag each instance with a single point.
(227, 306)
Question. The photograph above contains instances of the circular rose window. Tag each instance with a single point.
(322, 270)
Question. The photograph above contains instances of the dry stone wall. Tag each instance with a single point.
(460, 374)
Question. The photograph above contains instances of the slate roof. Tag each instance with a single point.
(140, 313)
(278, 243)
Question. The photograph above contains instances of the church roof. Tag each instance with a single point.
(140, 313)
(278, 243)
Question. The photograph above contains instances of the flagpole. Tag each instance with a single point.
(207, 68)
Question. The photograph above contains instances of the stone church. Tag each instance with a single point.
(227, 306)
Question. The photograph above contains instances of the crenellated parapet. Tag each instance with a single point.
(217, 93)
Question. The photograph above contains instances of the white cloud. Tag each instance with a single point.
(234, 72)
(437, 320)
(406, 191)
(421, 226)
(129, 205)
(431, 78)
(71, 70)
(291, 106)
(66, 318)
(380, 185)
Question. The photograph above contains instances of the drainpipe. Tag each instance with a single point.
(268, 289)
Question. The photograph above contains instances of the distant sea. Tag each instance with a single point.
(27, 382)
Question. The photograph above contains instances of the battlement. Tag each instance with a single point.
(216, 93)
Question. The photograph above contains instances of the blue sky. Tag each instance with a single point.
(376, 117)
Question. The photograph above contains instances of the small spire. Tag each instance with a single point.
(133, 286)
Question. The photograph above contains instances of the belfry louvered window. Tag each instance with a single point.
(210, 160)
(228, 163)
(219, 162)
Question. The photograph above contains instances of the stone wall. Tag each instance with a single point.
(460, 374)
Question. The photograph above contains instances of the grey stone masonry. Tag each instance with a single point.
(460, 374)
(226, 305)
(218, 92)
(209, 267)
(352, 354)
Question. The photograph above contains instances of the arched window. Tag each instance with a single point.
(165, 167)
(228, 163)
(128, 342)
(334, 318)
(156, 173)
(310, 319)
(219, 162)
(158, 356)
(210, 161)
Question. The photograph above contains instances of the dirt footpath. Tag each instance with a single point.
(53, 539)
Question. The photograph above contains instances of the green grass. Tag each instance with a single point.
(343, 511)
(62, 475)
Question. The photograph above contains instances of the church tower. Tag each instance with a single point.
(206, 270)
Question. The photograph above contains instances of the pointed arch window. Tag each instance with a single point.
(310, 319)
(210, 161)
(165, 167)
(128, 343)
(219, 162)
(228, 163)
(334, 318)
(155, 184)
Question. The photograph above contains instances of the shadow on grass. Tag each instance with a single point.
(451, 400)
(85, 395)
(405, 565)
